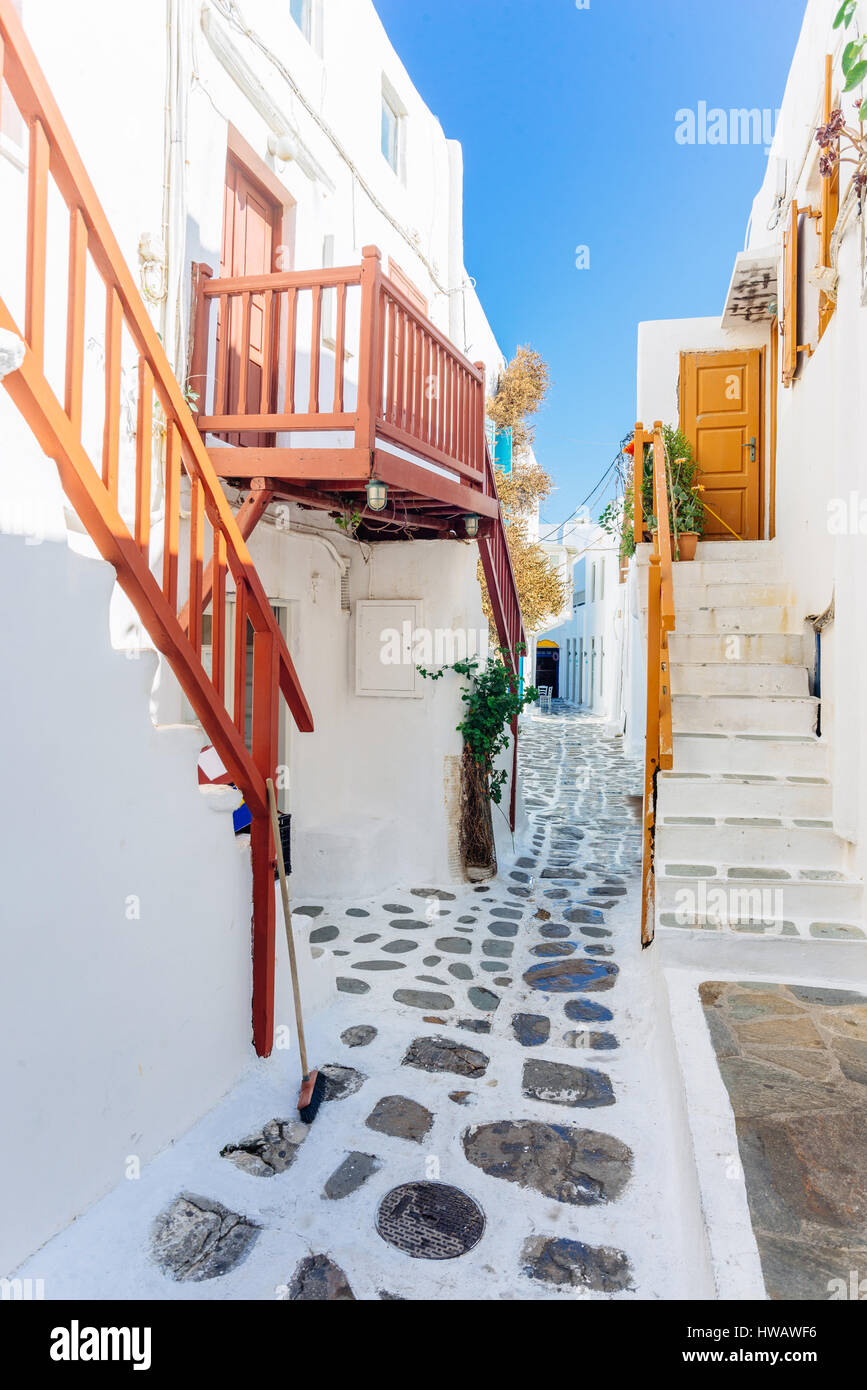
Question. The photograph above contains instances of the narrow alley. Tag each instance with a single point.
(495, 1044)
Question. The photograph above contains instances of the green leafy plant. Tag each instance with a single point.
(350, 518)
(846, 13)
(686, 510)
(493, 700)
(616, 520)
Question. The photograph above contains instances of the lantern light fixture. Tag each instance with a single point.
(471, 525)
(377, 495)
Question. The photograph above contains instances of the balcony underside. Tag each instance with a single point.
(422, 497)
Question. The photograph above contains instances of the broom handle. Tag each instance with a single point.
(287, 919)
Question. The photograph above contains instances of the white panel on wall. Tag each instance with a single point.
(384, 637)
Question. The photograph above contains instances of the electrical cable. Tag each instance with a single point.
(232, 13)
(589, 497)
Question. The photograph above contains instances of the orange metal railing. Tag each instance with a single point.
(111, 493)
(659, 747)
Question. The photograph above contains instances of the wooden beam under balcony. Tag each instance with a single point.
(349, 470)
(292, 465)
(424, 483)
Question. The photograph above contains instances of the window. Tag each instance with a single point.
(601, 580)
(301, 12)
(281, 612)
(593, 583)
(392, 126)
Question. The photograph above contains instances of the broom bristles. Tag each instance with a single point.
(311, 1097)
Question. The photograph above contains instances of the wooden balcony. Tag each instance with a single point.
(314, 382)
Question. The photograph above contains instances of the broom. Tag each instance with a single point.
(312, 1091)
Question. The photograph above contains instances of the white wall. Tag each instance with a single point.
(598, 622)
(374, 768)
(128, 1031)
(120, 1029)
(822, 417)
(822, 424)
(374, 800)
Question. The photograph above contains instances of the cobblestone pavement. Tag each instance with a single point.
(495, 1125)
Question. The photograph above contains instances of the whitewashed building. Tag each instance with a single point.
(255, 199)
(767, 776)
(582, 649)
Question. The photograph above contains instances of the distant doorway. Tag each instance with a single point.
(548, 668)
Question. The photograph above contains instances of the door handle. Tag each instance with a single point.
(752, 448)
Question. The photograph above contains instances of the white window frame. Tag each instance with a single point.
(391, 102)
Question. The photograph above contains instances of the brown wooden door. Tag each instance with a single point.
(251, 233)
(721, 415)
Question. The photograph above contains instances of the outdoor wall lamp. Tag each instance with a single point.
(377, 495)
(471, 525)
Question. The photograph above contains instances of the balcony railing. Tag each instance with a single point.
(338, 361)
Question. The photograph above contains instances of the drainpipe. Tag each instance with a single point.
(178, 77)
(818, 622)
(457, 312)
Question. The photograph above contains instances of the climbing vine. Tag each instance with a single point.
(493, 701)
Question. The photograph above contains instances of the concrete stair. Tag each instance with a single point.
(745, 839)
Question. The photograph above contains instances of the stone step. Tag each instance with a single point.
(796, 899)
(733, 794)
(737, 678)
(756, 841)
(774, 618)
(763, 714)
(727, 572)
(754, 754)
(736, 550)
(750, 925)
(732, 595)
(773, 649)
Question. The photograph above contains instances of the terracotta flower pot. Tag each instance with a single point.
(686, 544)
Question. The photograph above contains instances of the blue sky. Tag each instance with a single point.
(567, 120)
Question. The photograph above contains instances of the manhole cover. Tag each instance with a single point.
(430, 1221)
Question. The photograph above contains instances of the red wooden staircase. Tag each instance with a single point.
(410, 415)
(112, 495)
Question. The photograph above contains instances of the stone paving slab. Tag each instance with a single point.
(794, 1060)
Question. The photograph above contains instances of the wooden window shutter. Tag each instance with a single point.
(790, 299)
(830, 203)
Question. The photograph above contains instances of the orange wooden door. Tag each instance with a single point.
(251, 232)
(721, 415)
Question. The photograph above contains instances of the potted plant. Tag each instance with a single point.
(687, 511)
(689, 515)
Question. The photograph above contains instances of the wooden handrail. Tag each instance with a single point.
(500, 579)
(415, 390)
(96, 489)
(661, 620)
